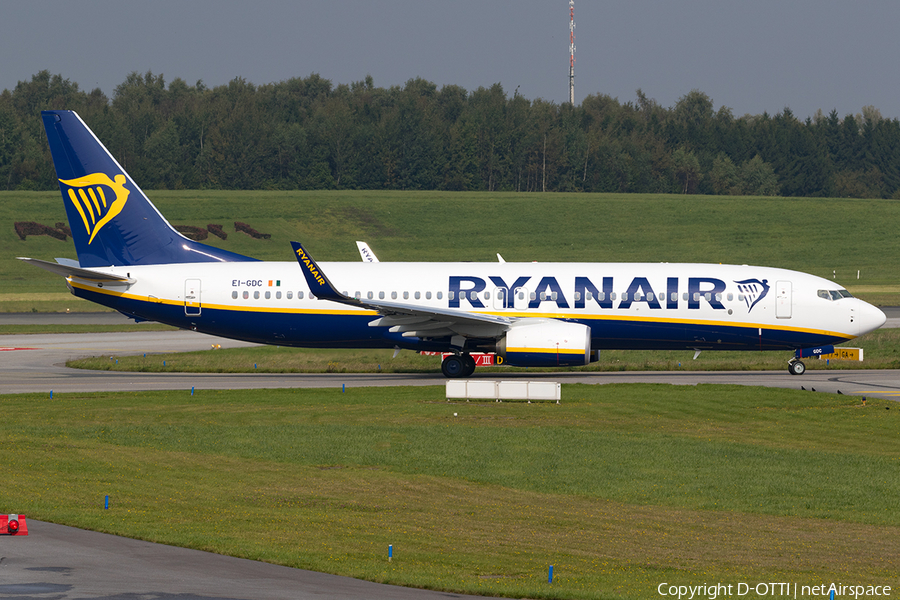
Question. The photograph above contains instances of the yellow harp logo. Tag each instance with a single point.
(90, 200)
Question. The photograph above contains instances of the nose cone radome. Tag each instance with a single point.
(869, 318)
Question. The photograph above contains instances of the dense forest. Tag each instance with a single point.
(306, 133)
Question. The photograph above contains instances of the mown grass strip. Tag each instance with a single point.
(621, 487)
(882, 351)
(803, 234)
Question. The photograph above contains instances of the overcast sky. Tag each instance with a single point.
(751, 56)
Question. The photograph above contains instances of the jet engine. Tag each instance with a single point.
(546, 343)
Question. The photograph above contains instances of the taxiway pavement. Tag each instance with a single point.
(36, 363)
(62, 563)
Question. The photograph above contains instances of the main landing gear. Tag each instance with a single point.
(458, 365)
(796, 367)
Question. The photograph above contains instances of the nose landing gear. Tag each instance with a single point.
(796, 367)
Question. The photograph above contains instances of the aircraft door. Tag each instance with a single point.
(500, 294)
(783, 300)
(192, 297)
(521, 298)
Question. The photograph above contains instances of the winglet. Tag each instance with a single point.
(316, 280)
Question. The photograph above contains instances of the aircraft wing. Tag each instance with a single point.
(72, 271)
(409, 319)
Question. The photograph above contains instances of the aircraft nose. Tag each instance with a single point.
(869, 318)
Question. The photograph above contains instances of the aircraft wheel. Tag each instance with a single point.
(795, 367)
(469, 365)
(453, 367)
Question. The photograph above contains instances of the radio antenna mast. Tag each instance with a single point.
(572, 52)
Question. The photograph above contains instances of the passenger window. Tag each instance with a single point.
(370, 295)
(685, 296)
(299, 295)
(256, 295)
(718, 297)
(696, 296)
(543, 296)
(357, 295)
(624, 296)
(730, 296)
(450, 295)
(612, 295)
(441, 295)
(601, 296)
(650, 297)
(674, 296)
(418, 295)
(487, 295)
(278, 295)
(531, 296)
(553, 295)
(234, 295)
(406, 295)
(708, 296)
(428, 295)
(578, 296)
(381, 295)
(246, 295)
(393, 295)
(268, 295)
(290, 295)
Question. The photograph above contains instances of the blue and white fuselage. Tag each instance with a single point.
(540, 314)
(625, 305)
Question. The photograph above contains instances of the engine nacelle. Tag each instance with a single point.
(546, 343)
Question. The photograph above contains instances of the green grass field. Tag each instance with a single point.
(620, 487)
(827, 237)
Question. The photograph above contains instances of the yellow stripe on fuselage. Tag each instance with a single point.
(668, 321)
(577, 352)
(227, 307)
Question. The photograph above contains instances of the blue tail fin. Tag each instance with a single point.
(112, 221)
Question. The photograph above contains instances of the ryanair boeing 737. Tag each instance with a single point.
(530, 314)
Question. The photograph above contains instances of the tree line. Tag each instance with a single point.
(306, 133)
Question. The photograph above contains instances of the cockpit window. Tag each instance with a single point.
(833, 294)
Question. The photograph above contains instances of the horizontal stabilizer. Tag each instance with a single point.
(69, 271)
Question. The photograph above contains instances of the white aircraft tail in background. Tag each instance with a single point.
(366, 253)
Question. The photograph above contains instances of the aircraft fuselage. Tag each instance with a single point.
(626, 305)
